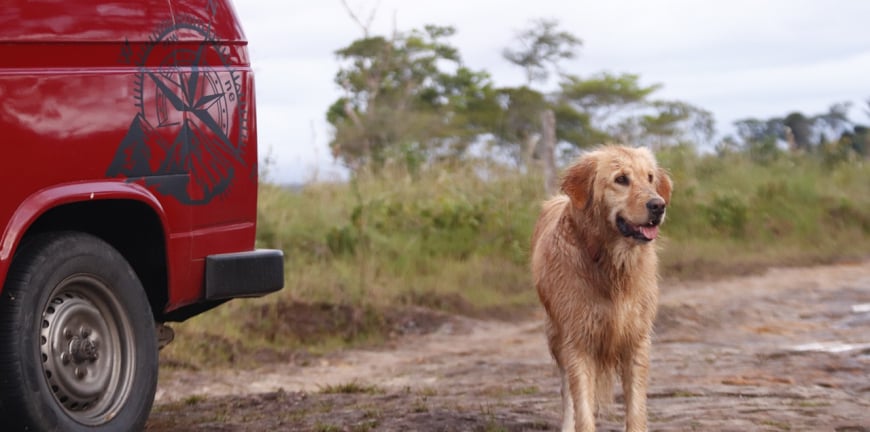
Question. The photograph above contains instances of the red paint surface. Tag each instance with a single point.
(68, 87)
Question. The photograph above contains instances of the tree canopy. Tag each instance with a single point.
(409, 99)
(830, 134)
(406, 97)
(541, 47)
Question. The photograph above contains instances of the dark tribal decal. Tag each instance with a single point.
(188, 138)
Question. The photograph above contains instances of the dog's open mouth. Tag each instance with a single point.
(647, 232)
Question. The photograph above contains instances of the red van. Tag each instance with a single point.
(128, 193)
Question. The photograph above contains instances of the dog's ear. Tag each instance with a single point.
(664, 186)
(578, 179)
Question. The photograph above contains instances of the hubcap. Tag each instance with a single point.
(86, 348)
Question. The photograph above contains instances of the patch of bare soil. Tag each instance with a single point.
(311, 322)
(788, 350)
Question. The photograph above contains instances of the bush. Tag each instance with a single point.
(727, 214)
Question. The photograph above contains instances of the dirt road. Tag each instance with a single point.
(785, 351)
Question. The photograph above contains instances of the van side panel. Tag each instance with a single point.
(137, 92)
(66, 101)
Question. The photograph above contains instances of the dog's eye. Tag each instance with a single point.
(650, 178)
(623, 180)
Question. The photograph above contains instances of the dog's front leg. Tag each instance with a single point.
(567, 404)
(581, 384)
(635, 372)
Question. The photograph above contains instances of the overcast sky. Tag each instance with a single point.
(736, 58)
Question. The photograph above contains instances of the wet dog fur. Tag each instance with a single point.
(594, 266)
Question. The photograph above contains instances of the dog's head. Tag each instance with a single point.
(624, 186)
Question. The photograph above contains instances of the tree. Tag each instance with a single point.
(727, 145)
(673, 121)
(575, 127)
(836, 120)
(407, 98)
(518, 125)
(799, 131)
(527, 112)
(610, 107)
(752, 129)
(603, 95)
(860, 141)
(542, 46)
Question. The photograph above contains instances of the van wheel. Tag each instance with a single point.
(78, 350)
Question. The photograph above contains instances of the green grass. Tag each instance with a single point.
(730, 215)
(323, 427)
(456, 239)
(352, 387)
(193, 400)
(387, 240)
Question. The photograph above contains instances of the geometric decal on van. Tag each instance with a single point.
(189, 135)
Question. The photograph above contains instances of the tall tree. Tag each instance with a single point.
(753, 129)
(406, 99)
(609, 107)
(799, 131)
(605, 94)
(541, 47)
(860, 140)
(836, 120)
(674, 121)
(518, 127)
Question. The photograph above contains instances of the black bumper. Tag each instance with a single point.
(243, 274)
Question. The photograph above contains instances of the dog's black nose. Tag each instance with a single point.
(656, 206)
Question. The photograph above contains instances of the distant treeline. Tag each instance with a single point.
(410, 100)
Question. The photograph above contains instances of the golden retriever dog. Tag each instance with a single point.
(594, 265)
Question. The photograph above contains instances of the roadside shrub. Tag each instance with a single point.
(763, 152)
(462, 231)
(342, 240)
(727, 214)
(844, 213)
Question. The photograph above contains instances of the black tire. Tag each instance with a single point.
(78, 350)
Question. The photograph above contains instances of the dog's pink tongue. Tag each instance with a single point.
(650, 232)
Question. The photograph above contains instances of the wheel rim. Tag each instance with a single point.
(86, 344)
